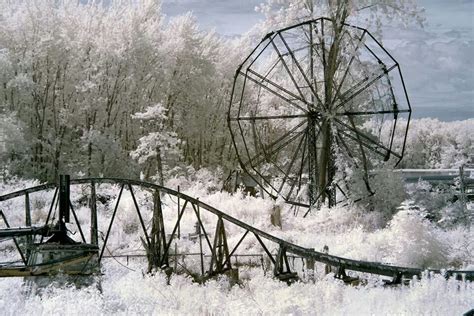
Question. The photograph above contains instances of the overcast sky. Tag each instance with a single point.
(437, 61)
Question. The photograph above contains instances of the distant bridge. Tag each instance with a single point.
(462, 178)
(436, 176)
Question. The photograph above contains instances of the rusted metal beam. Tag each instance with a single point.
(139, 215)
(23, 231)
(29, 240)
(93, 209)
(111, 222)
(349, 264)
(23, 258)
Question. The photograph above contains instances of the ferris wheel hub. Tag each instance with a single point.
(314, 115)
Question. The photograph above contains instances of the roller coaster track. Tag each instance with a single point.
(220, 252)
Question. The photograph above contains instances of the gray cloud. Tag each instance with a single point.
(227, 17)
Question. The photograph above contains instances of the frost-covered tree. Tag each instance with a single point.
(156, 144)
(73, 73)
(368, 13)
(371, 13)
(14, 153)
(435, 144)
(200, 68)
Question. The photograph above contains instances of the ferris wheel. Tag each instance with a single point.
(314, 99)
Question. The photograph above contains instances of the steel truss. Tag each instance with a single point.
(216, 253)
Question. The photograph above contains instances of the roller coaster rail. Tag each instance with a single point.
(220, 252)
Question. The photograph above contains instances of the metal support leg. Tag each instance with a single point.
(220, 255)
(281, 269)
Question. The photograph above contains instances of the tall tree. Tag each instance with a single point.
(280, 14)
(74, 73)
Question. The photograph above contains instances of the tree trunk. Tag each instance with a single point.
(159, 166)
(331, 60)
(324, 160)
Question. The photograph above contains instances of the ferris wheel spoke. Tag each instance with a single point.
(270, 69)
(288, 70)
(267, 182)
(361, 86)
(276, 91)
(340, 139)
(341, 83)
(293, 179)
(363, 155)
(361, 113)
(342, 143)
(276, 143)
(322, 57)
(379, 104)
(372, 54)
(275, 164)
(269, 117)
(375, 145)
(305, 157)
(293, 159)
(365, 165)
(339, 59)
(262, 78)
(270, 151)
(299, 182)
(395, 108)
(359, 141)
(304, 160)
(382, 118)
(312, 86)
(257, 52)
(342, 191)
(360, 133)
(299, 49)
(288, 133)
(317, 198)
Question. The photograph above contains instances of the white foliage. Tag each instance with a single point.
(148, 144)
(409, 240)
(132, 293)
(81, 75)
(155, 113)
(413, 241)
(158, 141)
(435, 144)
(281, 13)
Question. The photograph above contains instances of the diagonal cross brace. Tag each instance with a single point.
(220, 260)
